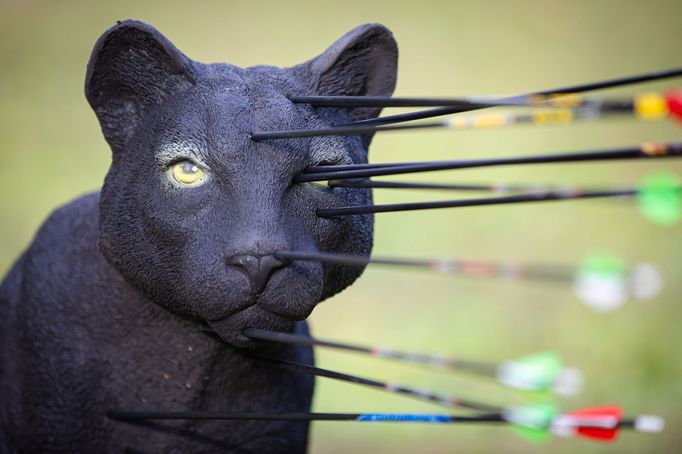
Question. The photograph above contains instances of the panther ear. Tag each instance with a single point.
(132, 68)
(363, 62)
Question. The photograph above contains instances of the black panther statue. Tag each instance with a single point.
(108, 307)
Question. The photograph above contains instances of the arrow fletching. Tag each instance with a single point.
(540, 372)
(649, 423)
(600, 282)
(645, 281)
(660, 199)
(532, 422)
(674, 101)
(602, 423)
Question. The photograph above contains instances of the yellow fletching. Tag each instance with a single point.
(479, 121)
(651, 106)
(490, 121)
(543, 116)
(458, 122)
(567, 100)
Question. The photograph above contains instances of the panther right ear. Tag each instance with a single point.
(363, 62)
(132, 68)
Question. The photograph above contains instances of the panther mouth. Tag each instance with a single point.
(223, 317)
(256, 300)
(230, 328)
(248, 297)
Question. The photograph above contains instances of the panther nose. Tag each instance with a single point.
(257, 268)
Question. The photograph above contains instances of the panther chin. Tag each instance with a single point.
(230, 328)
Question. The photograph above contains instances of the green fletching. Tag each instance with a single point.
(540, 435)
(536, 372)
(601, 282)
(660, 198)
(533, 422)
(603, 264)
(542, 369)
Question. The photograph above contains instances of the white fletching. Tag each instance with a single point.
(601, 292)
(569, 382)
(645, 281)
(649, 423)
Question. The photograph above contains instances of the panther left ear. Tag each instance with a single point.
(133, 67)
(363, 62)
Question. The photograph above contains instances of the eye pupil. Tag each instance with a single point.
(188, 167)
(186, 173)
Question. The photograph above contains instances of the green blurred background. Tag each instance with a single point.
(52, 151)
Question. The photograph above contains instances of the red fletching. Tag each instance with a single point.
(674, 101)
(607, 412)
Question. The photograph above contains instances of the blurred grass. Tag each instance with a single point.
(52, 151)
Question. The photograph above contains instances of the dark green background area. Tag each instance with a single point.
(52, 151)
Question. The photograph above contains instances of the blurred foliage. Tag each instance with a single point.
(52, 151)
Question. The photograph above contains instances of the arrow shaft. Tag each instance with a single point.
(386, 386)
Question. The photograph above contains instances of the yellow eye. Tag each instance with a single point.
(187, 173)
